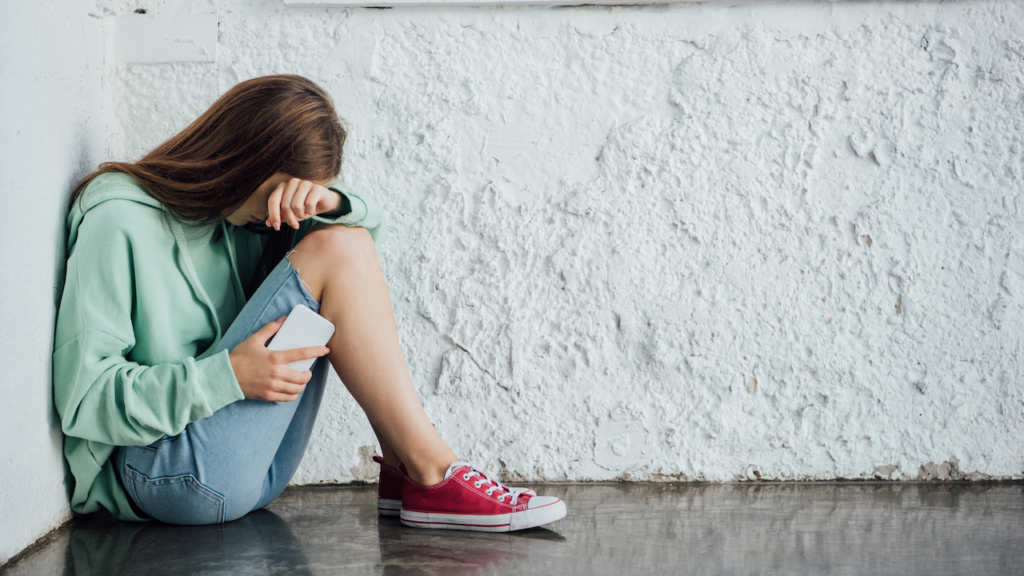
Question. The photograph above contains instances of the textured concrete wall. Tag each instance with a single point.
(51, 127)
(675, 242)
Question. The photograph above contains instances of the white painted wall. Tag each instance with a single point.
(669, 242)
(674, 242)
(51, 124)
(697, 242)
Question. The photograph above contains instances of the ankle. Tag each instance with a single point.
(392, 461)
(427, 473)
(428, 476)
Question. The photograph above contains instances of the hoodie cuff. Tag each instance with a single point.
(344, 207)
(220, 385)
(348, 211)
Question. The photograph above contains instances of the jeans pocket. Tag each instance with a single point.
(178, 499)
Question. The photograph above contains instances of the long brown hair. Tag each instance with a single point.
(282, 123)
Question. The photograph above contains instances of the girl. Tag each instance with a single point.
(181, 267)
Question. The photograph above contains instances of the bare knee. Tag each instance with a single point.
(341, 244)
(330, 249)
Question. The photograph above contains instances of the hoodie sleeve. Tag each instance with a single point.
(99, 394)
(361, 211)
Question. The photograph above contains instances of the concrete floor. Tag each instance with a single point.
(764, 528)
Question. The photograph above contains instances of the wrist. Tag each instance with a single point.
(338, 205)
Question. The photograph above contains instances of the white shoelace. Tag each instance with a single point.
(485, 479)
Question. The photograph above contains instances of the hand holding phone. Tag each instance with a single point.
(299, 340)
(301, 329)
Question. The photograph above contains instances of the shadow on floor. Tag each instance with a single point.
(763, 528)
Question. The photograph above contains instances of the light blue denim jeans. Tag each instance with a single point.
(241, 457)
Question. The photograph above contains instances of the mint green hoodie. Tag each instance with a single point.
(143, 305)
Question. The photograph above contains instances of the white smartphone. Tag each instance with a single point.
(302, 328)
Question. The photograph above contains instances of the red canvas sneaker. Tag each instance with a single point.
(391, 482)
(389, 489)
(468, 499)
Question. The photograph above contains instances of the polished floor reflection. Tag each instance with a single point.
(790, 528)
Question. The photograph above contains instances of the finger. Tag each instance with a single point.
(289, 377)
(297, 354)
(286, 203)
(274, 207)
(316, 195)
(269, 329)
(290, 388)
(282, 397)
(286, 197)
(298, 203)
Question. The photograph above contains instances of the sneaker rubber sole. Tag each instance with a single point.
(486, 523)
(387, 507)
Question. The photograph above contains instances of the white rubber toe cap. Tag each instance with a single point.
(541, 510)
(539, 501)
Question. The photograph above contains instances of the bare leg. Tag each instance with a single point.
(341, 270)
(387, 452)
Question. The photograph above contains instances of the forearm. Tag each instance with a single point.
(122, 403)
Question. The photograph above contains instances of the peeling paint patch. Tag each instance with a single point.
(887, 472)
(619, 445)
(366, 470)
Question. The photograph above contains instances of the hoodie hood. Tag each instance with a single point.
(121, 186)
(108, 186)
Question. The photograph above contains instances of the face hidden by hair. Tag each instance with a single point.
(257, 129)
(255, 208)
